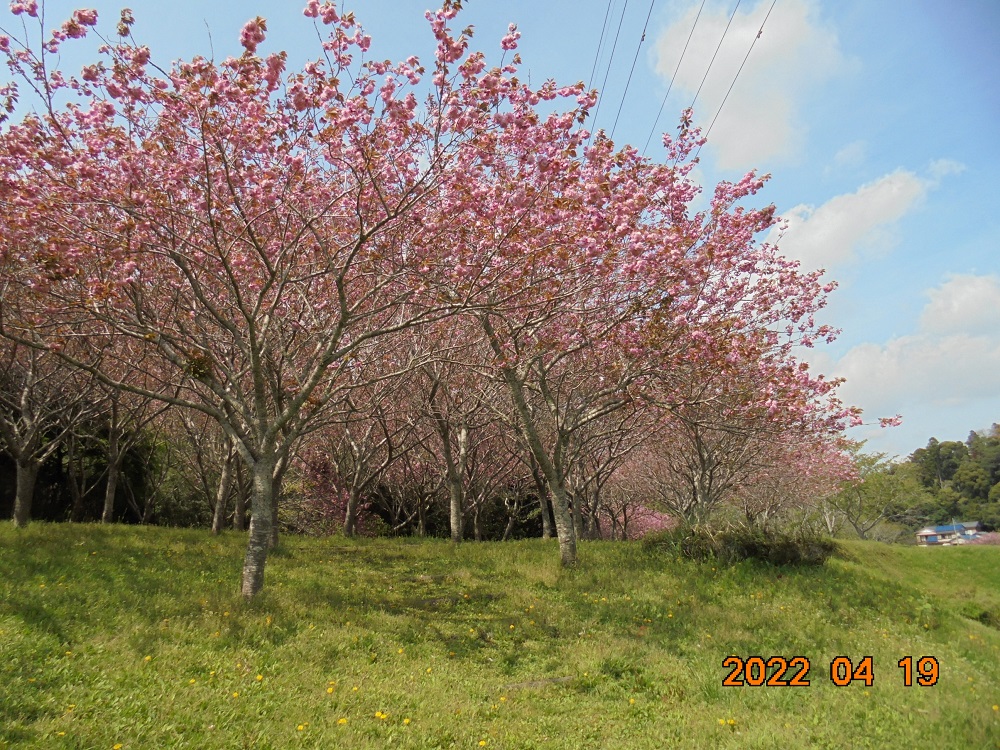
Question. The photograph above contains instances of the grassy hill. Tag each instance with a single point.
(136, 638)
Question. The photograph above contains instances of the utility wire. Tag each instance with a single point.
(712, 61)
(600, 44)
(610, 60)
(634, 60)
(674, 76)
(760, 33)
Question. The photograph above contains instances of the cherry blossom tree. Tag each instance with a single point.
(251, 228)
(266, 237)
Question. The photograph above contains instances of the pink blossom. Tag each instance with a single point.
(510, 40)
(73, 30)
(253, 34)
(85, 16)
(311, 9)
(329, 13)
(17, 7)
(895, 421)
(275, 66)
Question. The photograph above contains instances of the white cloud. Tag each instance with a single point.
(852, 155)
(964, 303)
(944, 378)
(921, 369)
(853, 223)
(760, 122)
(943, 167)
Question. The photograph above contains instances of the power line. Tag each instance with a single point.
(600, 44)
(634, 60)
(610, 60)
(712, 61)
(759, 34)
(674, 76)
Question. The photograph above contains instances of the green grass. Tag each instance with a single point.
(137, 637)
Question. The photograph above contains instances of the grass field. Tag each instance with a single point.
(128, 638)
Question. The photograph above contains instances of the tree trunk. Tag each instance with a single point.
(77, 480)
(114, 463)
(477, 528)
(577, 515)
(455, 505)
(240, 511)
(421, 517)
(262, 517)
(564, 526)
(277, 475)
(543, 501)
(222, 495)
(27, 474)
(351, 515)
(557, 489)
(114, 469)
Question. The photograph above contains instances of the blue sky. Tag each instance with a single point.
(879, 122)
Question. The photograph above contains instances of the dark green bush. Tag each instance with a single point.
(733, 544)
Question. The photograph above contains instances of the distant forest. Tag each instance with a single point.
(933, 485)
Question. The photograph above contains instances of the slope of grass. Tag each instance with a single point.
(136, 638)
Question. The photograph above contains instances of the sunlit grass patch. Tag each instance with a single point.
(367, 643)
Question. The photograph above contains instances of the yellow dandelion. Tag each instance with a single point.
(482, 743)
(260, 677)
(503, 698)
(341, 721)
(428, 670)
(722, 722)
(329, 690)
(117, 746)
(225, 614)
(236, 695)
(400, 651)
(732, 722)
(406, 721)
(355, 688)
(300, 727)
(147, 658)
(192, 681)
(60, 734)
(511, 627)
(631, 701)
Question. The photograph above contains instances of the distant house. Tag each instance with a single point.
(955, 533)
